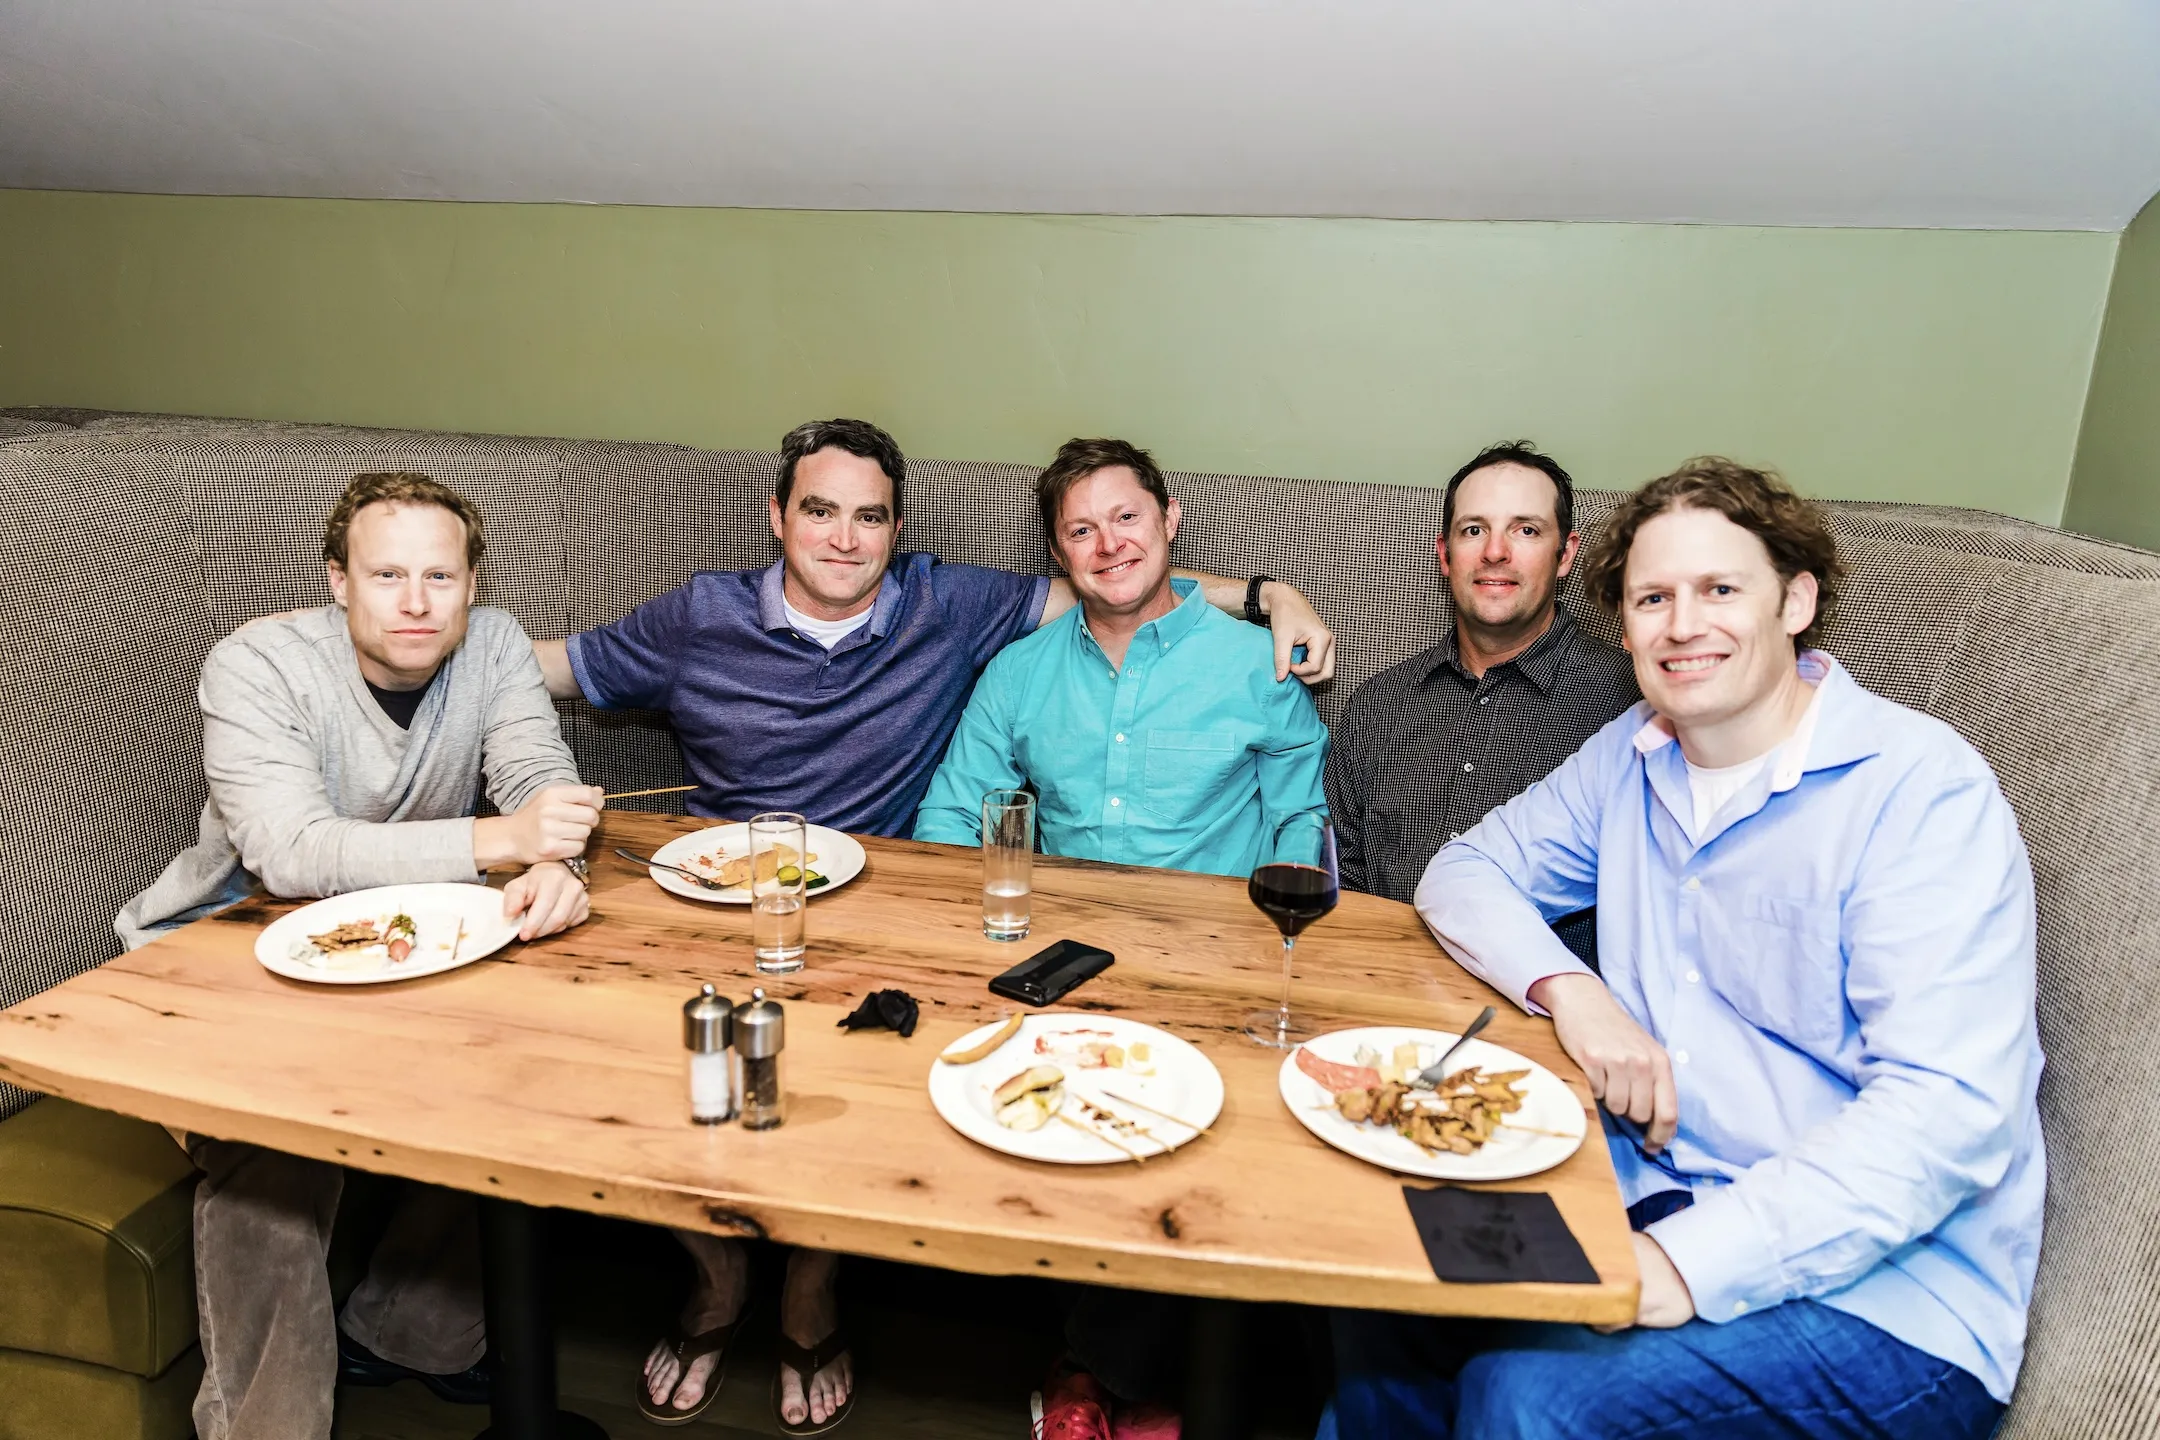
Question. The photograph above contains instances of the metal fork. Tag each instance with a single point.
(691, 875)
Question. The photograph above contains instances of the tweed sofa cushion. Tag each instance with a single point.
(95, 1245)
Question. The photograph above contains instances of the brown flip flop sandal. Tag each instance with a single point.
(806, 1364)
(688, 1349)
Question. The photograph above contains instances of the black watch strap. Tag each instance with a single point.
(1252, 599)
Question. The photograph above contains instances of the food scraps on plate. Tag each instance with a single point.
(1466, 1109)
(735, 872)
(384, 938)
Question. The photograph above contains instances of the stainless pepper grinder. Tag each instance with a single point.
(760, 1035)
(709, 1035)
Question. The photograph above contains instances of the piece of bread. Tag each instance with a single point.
(738, 871)
(1039, 1077)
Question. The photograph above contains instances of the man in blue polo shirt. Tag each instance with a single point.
(828, 684)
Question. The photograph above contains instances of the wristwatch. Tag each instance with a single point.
(579, 866)
(1252, 599)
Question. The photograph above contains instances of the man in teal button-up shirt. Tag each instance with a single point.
(1151, 726)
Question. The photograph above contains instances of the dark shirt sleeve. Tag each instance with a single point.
(1345, 782)
(992, 607)
(630, 665)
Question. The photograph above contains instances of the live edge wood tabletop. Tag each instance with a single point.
(553, 1073)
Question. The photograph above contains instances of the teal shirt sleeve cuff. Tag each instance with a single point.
(1730, 1268)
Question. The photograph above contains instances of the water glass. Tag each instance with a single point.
(778, 845)
(1008, 847)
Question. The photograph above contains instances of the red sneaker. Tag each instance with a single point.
(1145, 1422)
(1070, 1406)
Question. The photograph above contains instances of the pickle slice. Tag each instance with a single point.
(788, 874)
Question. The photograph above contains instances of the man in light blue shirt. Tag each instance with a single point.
(1152, 727)
(1815, 1024)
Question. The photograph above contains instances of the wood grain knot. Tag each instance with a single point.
(1169, 1222)
(743, 1225)
(1021, 1205)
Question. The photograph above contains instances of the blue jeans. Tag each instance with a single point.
(1798, 1370)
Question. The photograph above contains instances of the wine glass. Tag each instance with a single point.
(1294, 884)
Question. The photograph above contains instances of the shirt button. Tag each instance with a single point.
(1693, 882)
(1679, 1056)
(1739, 1307)
(1121, 739)
(1468, 767)
(1483, 698)
(1113, 800)
(1694, 977)
(1454, 834)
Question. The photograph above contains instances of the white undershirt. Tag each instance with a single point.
(1711, 789)
(827, 633)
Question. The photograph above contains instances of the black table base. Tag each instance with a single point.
(521, 1329)
(1216, 1402)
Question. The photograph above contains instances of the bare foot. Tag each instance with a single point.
(810, 1311)
(723, 1283)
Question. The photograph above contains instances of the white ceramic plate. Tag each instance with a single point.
(839, 858)
(1547, 1105)
(1185, 1083)
(436, 911)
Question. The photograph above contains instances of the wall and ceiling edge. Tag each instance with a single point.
(2115, 483)
(1940, 366)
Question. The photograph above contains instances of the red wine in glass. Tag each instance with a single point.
(1293, 896)
(1294, 884)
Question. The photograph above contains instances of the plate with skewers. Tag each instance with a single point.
(1076, 1089)
(1496, 1115)
(390, 933)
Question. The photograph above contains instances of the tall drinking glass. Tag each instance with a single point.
(1008, 846)
(1294, 884)
(778, 843)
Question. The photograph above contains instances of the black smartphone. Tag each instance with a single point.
(1050, 975)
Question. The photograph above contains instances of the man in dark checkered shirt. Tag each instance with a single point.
(1426, 748)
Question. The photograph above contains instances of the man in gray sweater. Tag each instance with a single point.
(344, 748)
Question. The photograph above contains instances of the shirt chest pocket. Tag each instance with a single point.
(1182, 771)
(1777, 961)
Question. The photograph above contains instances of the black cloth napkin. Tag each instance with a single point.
(1490, 1237)
(884, 1010)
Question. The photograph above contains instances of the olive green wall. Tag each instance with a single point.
(2115, 488)
(1944, 366)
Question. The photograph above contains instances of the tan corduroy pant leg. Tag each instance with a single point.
(262, 1245)
(262, 1285)
(420, 1304)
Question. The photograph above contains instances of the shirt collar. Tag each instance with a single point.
(1833, 732)
(1164, 630)
(1539, 664)
(772, 598)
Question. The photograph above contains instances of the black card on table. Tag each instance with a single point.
(1492, 1237)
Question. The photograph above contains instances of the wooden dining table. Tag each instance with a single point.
(552, 1075)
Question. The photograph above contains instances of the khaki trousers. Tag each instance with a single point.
(262, 1285)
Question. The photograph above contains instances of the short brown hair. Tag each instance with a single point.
(399, 487)
(1078, 459)
(1758, 501)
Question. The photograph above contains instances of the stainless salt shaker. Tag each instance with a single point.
(760, 1035)
(709, 1035)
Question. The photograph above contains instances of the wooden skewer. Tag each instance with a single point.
(1533, 1130)
(1127, 1151)
(1174, 1119)
(641, 794)
(458, 943)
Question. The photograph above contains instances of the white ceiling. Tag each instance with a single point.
(1989, 113)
